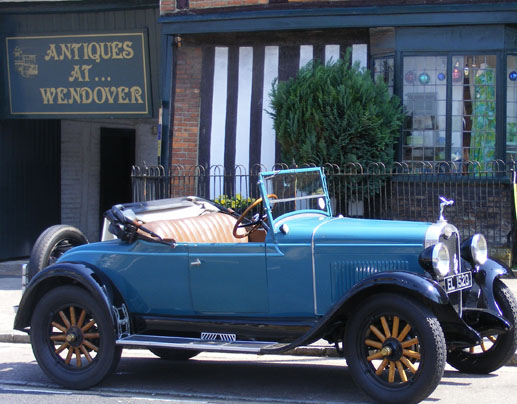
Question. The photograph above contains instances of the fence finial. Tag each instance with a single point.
(445, 202)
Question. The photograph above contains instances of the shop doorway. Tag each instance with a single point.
(30, 182)
(117, 158)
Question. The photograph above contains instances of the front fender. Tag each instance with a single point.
(404, 282)
(484, 277)
(81, 274)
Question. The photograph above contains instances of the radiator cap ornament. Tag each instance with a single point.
(444, 202)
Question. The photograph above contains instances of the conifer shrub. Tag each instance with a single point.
(335, 113)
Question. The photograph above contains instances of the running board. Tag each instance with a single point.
(156, 341)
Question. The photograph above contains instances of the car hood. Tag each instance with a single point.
(354, 231)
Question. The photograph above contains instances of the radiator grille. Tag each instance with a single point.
(345, 274)
(452, 244)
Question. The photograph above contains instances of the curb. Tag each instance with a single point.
(512, 361)
(300, 351)
(329, 352)
(15, 338)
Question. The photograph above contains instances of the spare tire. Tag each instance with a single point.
(52, 244)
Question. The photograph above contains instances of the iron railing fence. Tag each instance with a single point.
(483, 193)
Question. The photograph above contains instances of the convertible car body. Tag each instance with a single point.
(186, 275)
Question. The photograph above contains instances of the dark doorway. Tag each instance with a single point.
(30, 182)
(117, 158)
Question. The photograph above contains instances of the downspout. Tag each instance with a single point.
(167, 92)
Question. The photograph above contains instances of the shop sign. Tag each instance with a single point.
(82, 75)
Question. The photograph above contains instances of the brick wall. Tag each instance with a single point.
(186, 106)
(80, 167)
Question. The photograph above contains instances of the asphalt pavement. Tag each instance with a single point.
(10, 295)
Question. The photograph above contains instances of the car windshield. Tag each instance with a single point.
(295, 191)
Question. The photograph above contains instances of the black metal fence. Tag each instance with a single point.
(483, 193)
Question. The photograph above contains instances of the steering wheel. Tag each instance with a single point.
(255, 224)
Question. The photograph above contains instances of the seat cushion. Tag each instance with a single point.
(207, 228)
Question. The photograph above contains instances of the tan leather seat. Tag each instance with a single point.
(208, 228)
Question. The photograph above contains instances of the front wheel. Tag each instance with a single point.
(494, 350)
(395, 349)
(73, 338)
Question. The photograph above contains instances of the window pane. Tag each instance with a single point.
(424, 96)
(511, 108)
(473, 107)
(383, 70)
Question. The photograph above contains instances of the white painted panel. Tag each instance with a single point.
(360, 54)
(244, 106)
(218, 131)
(242, 138)
(219, 106)
(267, 150)
(306, 54)
(331, 53)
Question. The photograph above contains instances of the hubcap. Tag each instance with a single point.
(74, 336)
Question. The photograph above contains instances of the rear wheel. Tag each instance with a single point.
(174, 354)
(52, 244)
(395, 349)
(73, 338)
(495, 350)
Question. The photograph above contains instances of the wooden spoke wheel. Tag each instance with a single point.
(494, 350)
(73, 338)
(395, 349)
(392, 348)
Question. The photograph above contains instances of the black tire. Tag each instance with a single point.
(51, 244)
(73, 338)
(174, 354)
(405, 360)
(495, 350)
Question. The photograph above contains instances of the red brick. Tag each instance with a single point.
(186, 107)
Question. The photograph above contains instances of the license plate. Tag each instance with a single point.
(458, 282)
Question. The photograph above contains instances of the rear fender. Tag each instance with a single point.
(82, 274)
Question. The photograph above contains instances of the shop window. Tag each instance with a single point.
(511, 108)
(473, 107)
(424, 97)
(471, 135)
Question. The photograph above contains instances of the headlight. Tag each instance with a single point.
(436, 259)
(441, 259)
(475, 249)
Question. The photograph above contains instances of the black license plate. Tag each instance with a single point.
(458, 282)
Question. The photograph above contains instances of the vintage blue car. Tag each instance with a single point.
(185, 275)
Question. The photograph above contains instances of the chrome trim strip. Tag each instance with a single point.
(314, 262)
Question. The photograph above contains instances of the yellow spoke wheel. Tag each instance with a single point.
(395, 349)
(393, 353)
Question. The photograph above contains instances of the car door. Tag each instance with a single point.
(228, 278)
